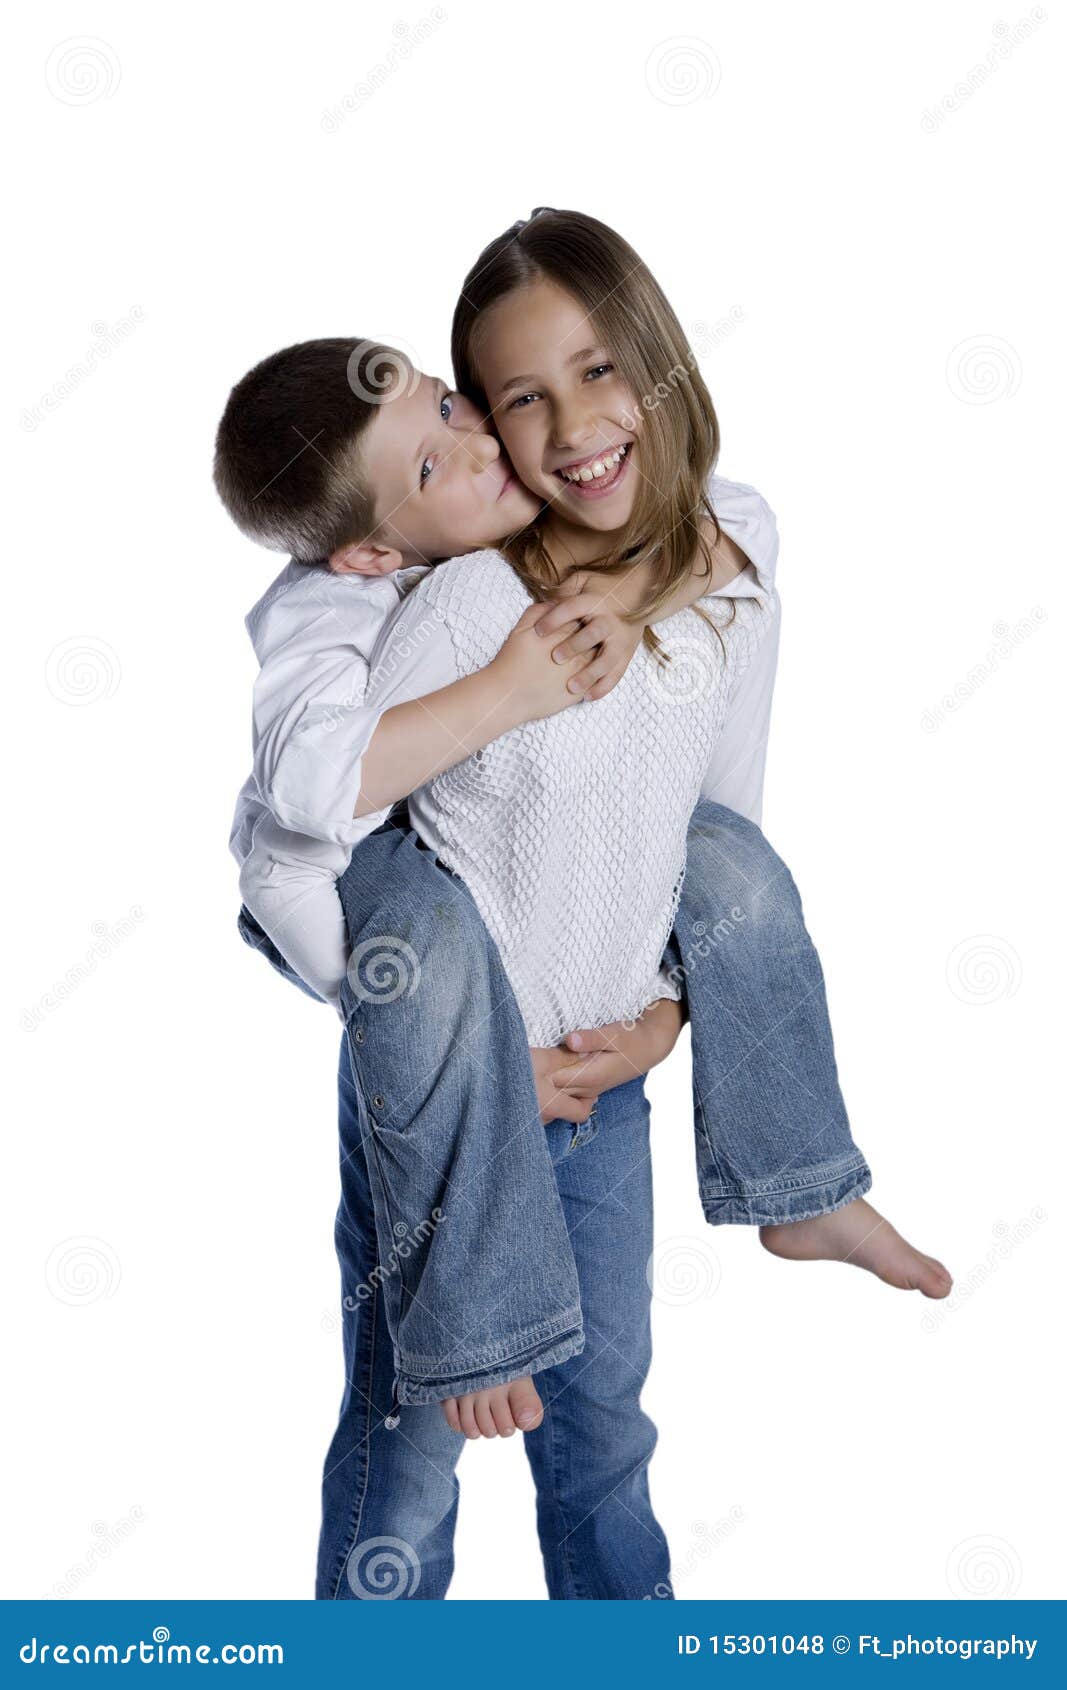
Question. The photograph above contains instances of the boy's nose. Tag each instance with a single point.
(483, 448)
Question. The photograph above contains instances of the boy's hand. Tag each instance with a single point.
(535, 686)
(569, 1077)
(600, 605)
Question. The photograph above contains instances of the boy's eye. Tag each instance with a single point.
(426, 471)
(448, 405)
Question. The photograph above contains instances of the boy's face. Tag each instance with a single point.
(442, 484)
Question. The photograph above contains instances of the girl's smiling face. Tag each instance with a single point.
(565, 415)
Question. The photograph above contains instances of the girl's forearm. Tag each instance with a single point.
(415, 741)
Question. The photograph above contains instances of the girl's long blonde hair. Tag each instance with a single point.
(679, 431)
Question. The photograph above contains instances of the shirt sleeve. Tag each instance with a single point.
(735, 773)
(748, 519)
(289, 882)
(289, 876)
(310, 718)
(309, 744)
(734, 776)
(415, 655)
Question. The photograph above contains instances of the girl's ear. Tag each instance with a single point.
(365, 557)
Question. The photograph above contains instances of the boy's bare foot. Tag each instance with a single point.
(504, 1410)
(859, 1234)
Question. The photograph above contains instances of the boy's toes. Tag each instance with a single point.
(502, 1417)
(525, 1405)
(934, 1279)
(450, 1409)
(468, 1425)
(483, 1414)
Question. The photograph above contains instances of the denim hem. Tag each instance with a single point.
(759, 1206)
(413, 1392)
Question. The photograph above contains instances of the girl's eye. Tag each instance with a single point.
(521, 402)
(600, 370)
(448, 405)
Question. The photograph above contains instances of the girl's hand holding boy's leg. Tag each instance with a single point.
(570, 1077)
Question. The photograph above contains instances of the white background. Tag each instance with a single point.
(872, 293)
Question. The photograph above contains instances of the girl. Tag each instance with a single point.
(571, 836)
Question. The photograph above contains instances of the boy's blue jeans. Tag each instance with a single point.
(475, 1267)
(390, 1496)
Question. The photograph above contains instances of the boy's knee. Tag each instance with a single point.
(731, 862)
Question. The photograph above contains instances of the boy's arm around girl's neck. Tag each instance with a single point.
(421, 738)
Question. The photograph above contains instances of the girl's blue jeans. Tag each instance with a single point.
(475, 1264)
(390, 1496)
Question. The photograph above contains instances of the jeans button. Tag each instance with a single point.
(358, 1035)
(378, 1100)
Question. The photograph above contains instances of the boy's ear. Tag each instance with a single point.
(365, 557)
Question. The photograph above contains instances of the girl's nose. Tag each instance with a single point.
(572, 428)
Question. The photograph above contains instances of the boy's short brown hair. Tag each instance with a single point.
(287, 450)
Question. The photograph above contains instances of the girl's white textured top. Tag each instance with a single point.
(316, 636)
(570, 833)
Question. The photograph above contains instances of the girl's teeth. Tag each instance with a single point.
(593, 472)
